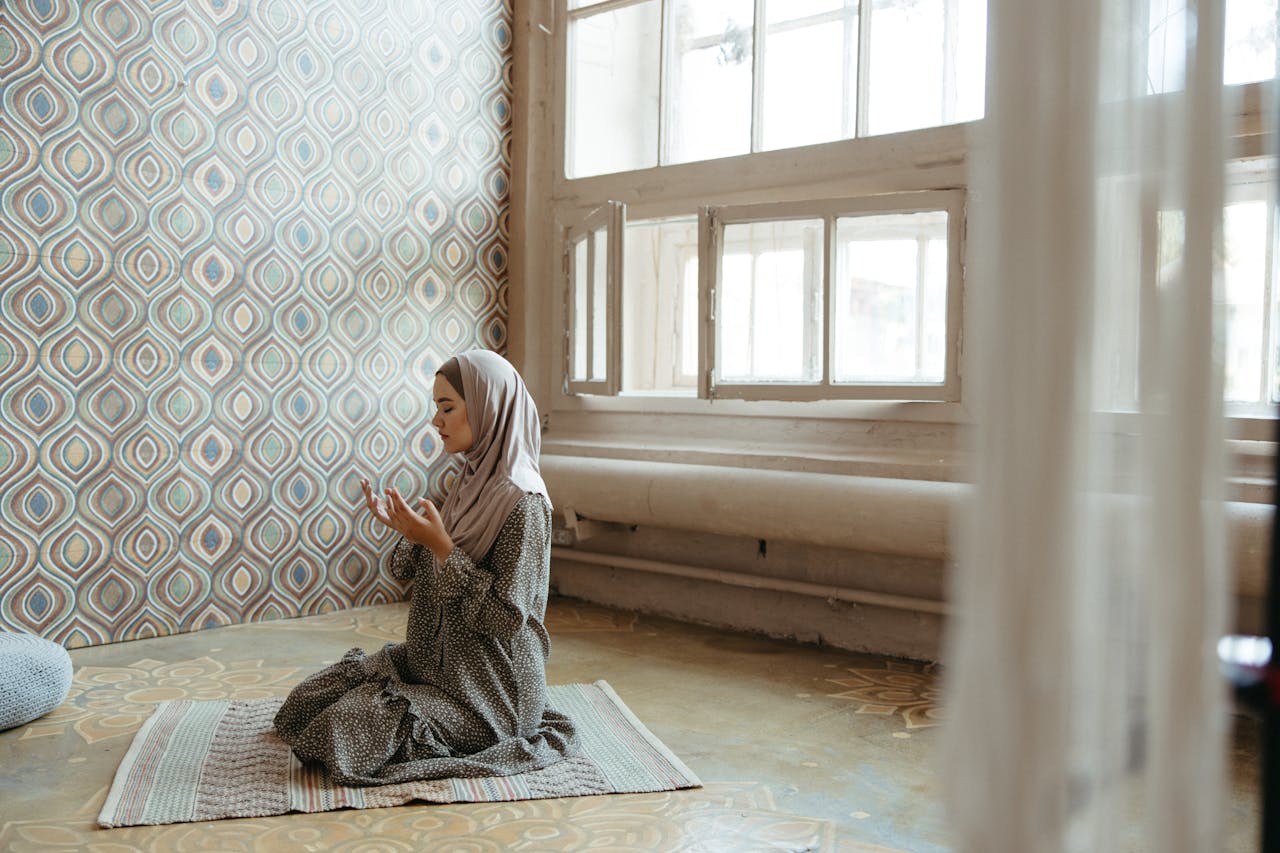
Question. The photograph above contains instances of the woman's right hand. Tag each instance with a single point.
(376, 505)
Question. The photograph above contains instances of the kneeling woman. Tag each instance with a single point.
(465, 693)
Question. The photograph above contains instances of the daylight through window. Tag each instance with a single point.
(653, 82)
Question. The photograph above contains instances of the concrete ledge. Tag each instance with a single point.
(826, 592)
(784, 615)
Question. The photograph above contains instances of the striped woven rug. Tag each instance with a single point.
(195, 761)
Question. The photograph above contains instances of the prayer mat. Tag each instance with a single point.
(204, 760)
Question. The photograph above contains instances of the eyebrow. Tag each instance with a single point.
(444, 398)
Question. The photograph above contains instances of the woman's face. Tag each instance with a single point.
(451, 417)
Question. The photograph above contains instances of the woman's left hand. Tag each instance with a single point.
(424, 527)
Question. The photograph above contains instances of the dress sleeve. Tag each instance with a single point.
(498, 601)
(408, 558)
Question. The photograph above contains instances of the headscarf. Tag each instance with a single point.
(452, 372)
(501, 466)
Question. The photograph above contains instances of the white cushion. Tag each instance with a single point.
(35, 676)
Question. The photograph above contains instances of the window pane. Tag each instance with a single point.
(768, 325)
(689, 321)
(780, 11)
(1251, 41)
(709, 100)
(613, 85)
(934, 316)
(579, 297)
(927, 63)
(818, 58)
(660, 306)
(599, 304)
(1273, 364)
(889, 322)
(1250, 49)
(1244, 238)
(970, 62)
(1171, 234)
(1114, 362)
(1242, 300)
(1167, 46)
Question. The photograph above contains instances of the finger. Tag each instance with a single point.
(392, 517)
(397, 502)
(429, 509)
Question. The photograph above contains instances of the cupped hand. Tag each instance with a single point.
(423, 525)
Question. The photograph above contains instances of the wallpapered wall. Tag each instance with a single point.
(236, 239)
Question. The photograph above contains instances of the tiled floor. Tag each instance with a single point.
(801, 748)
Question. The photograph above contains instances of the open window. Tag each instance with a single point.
(593, 272)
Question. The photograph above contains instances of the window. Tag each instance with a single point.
(653, 82)
(852, 298)
(1249, 303)
(592, 265)
(1246, 302)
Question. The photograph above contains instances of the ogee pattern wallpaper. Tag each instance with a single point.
(236, 239)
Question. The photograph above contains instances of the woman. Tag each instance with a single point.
(464, 694)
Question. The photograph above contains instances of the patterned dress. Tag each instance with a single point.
(465, 693)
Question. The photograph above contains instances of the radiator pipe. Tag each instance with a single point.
(883, 515)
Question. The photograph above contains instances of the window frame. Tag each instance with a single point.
(609, 218)
(712, 221)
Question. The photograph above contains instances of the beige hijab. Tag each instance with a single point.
(502, 465)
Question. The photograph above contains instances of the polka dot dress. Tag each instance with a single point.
(465, 693)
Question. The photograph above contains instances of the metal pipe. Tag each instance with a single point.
(772, 584)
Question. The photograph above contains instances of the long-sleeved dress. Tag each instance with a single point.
(465, 693)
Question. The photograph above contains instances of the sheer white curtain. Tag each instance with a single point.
(1085, 710)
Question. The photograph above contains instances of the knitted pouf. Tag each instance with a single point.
(35, 676)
